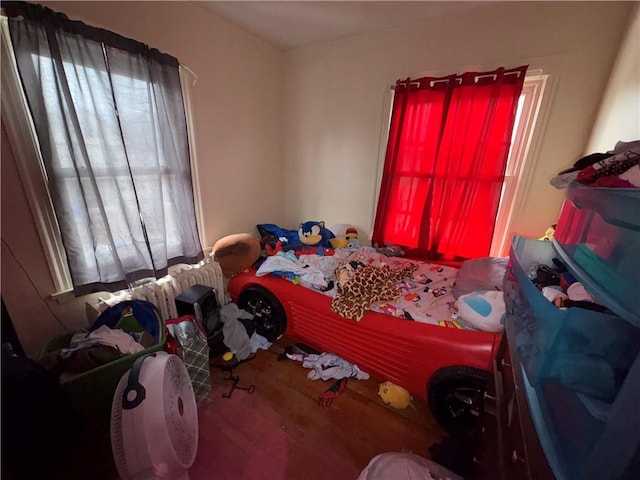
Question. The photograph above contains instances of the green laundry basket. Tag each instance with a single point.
(91, 393)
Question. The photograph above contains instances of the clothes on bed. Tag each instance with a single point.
(327, 264)
(287, 262)
(424, 294)
(368, 285)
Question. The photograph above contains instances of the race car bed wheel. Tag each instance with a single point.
(268, 313)
(455, 397)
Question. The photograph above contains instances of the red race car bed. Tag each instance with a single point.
(411, 340)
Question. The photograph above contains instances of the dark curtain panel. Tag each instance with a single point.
(110, 120)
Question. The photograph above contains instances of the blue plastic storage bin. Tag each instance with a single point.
(598, 236)
(578, 366)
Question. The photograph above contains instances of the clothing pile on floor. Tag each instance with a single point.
(325, 366)
(240, 337)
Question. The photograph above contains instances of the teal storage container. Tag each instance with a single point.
(581, 370)
(598, 235)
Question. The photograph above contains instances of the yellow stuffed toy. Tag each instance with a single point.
(548, 234)
(344, 234)
(394, 395)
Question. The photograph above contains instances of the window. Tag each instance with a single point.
(528, 108)
(131, 156)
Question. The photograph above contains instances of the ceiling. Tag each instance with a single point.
(292, 24)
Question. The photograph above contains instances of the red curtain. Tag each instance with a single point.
(446, 156)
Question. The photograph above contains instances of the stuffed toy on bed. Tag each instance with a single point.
(345, 235)
(315, 234)
(310, 238)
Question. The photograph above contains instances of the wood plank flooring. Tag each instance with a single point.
(280, 433)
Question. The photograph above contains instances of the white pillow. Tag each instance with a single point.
(483, 310)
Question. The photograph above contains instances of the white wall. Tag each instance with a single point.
(619, 114)
(332, 119)
(237, 108)
(334, 100)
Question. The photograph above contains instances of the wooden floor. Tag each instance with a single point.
(280, 433)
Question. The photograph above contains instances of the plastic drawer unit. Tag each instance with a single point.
(581, 374)
(598, 235)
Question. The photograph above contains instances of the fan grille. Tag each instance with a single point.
(117, 442)
(180, 411)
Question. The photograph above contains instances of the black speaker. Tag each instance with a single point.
(201, 302)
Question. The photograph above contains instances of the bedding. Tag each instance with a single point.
(480, 274)
(368, 285)
(362, 278)
(484, 310)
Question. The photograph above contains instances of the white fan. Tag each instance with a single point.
(154, 420)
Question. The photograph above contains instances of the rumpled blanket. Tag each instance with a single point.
(366, 286)
(284, 263)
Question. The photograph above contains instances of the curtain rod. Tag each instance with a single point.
(530, 73)
(195, 77)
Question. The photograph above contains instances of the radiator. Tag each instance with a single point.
(162, 293)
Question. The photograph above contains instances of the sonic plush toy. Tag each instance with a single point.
(312, 238)
(314, 234)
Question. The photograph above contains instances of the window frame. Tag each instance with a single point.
(24, 142)
(534, 91)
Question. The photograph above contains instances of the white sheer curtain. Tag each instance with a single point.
(110, 121)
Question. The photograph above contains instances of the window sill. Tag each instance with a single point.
(63, 297)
